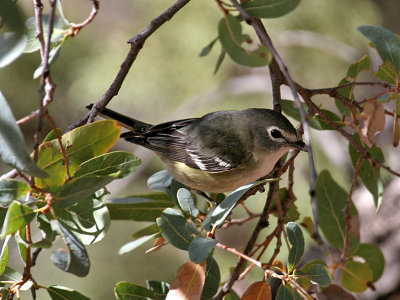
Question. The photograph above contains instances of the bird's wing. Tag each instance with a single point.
(171, 141)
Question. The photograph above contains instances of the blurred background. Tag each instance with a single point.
(169, 80)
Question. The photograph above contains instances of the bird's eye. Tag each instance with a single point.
(276, 134)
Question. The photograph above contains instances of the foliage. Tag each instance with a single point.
(61, 185)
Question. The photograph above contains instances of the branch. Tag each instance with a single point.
(77, 27)
(137, 43)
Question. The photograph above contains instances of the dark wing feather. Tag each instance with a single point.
(170, 140)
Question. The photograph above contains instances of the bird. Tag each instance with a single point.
(218, 152)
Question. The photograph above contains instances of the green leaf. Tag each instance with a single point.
(18, 215)
(149, 230)
(356, 276)
(269, 8)
(220, 213)
(53, 56)
(173, 227)
(296, 239)
(128, 247)
(186, 202)
(12, 145)
(11, 189)
(58, 292)
(207, 49)
(369, 174)
(232, 296)
(80, 144)
(128, 291)
(212, 281)
(220, 60)
(284, 293)
(10, 275)
(386, 43)
(160, 181)
(374, 258)
(331, 202)
(160, 288)
(12, 46)
(363, 64)
(319, 274)
(12, 16)
(387, 73)
(52, 135)
(139, 208)
(201, 248)
(89, 219)
(74, 259)
(4, 255)
(231, 38)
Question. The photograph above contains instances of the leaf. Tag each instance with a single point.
(94, 174)
(220, 60)
(80, 144)
(12, 46)
(188, 283)
(10, 275)
(74, 259)
(257, 290)
(387, 73)
(284, 293)
(363, 64)
(396, 118)
(11, 189)
(160, 288)
(53, 56)
(374, 258)
(201, 248)
(139, 208)
(333, 292)
(386, 43)
(18, 215)
(89, 219)
(318, 274)
(356, 276)
(128, 291)
(369, 173)
(212, 281)
(232, 296)
(58, 292)
(373, 116)
(136, 243)
(186, 202)
(207, 49)
(331, 201)
(296, 239)
(160, 181)
(231, 38)
(12, 145)
(308, 224)
(4, 255)
(220, 213)
(269, 8)
(173, 227)
(11, 15)
(153, 228)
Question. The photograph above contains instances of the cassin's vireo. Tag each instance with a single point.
(218, 152)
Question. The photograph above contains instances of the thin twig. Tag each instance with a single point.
(136, 45)
(77, 27)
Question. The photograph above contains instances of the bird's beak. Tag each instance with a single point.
(299, 145)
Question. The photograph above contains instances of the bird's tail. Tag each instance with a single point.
(125, 121)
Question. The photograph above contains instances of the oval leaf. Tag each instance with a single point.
(356, 276)
(188, 283)
(374, 258)
(319, 274)
(128, 247)
(11, 189)
(284, 293)
(258, 290)
(269, 8)
(334, 291)
(58, 292)
(212, 281)
(12, 145)
(128, 291)
(186, 202)
(231, 38)
(173, 227)
(296, 239)
(139, 208)
(80, 144)
(18, 215)
(12, 45)
(201, 248)
(74, 259)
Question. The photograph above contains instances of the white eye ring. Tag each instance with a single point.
(275, 133)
